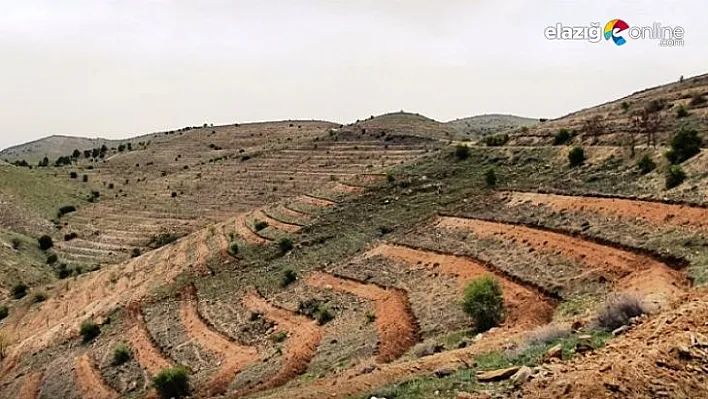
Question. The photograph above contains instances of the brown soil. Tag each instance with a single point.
(321, 202)
(292, 213)
(290, 228)
(245, 233)
(304, 336)
(146, 351)
(643, 363)
(396, 326)
(618, 267)
(345, 188)
(235, 356)
(650, 212)
(90, 382)
(31, 384)
(523, 307)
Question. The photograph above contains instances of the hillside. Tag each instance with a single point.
(675, 104)
(409, 124)
(476, 127)
(52, 147)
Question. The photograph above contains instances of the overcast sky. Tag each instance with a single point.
(121, 68)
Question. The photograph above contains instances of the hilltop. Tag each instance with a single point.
(480, 126)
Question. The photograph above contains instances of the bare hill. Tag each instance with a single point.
(405, 123)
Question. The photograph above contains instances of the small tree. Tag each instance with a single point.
(285, 245)
(73, 175)
(462, 152)
(646, 164)
(576, 156)
(562, 137)
(172, 383)
(121, 354)
(289, 277)
(52, 259)
(89, 330)
(484, 302)
(674, 176)
(16, 243)
(45, 242)
(685, 144)
(490, 177)
(681, 112)
(233, 248)
(19, 291)
(260, 225)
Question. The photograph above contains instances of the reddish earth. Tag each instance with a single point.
(90, 382)
(395, 323)
(345, 188)
(245, 233)
(662, 357)
(523, 307)
(147, 353)
(304, 337)
(287, 227)
(31, 384)
(617, 266)
(650, 212)
(235, 356)
(321, 202)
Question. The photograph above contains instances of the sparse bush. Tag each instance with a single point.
(73, 175)
(562, 137)
(280, 336)
(490, 177)
(390, 178)
(135, 252)
(111, 186)
(16, 243)
(172, 383)
(233, 248)
(260, 225)
(285, 245)
(646, 164)
(89, 330)
(674, 176)
(497, 140)
(4, 311)
(370, 317)
(19, 291)
(625, 106)
(681, 112)
(697, 100)
(45, 242)
(462, 152)
(323, 315)
(66, 209)
(39, 297)
(383, 230)
(70, 236)
(289, 277)
(174, 194)
(576, 156)
(484, 302)
(121, 354)
(162, 239)
(63, 271)
(684, 145)
(618, 310)
(84, 178)
(52, 259)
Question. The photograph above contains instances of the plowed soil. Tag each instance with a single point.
(90, 382)
(523, 307)
(31, 384)
(304, 336)
(619, 267)
(146, 351)
(235, 356)
(395, 323)
(289, 228)
(650, 212)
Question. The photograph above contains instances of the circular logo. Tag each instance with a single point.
(616, 25)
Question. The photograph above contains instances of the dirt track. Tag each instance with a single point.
(146, 352)
(395, 323)
(523, 307)
(235, 357)
(31, 385)
(304, 337)
(90, 382)
(617, 266)
(650, 212)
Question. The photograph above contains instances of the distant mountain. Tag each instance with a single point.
(484, 125)
(410, 124)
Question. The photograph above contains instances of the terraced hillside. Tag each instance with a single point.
(480, 126)
(353, 288)
(673, 105)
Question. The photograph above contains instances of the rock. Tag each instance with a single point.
(444, 372)
(620, 330)
(497, 375)
(521, 376)
(555, 352)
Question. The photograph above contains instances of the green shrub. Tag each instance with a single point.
(562, 137)
(19, 291)
(135, 252)
(496, 140)
(162, 239)
(45, 242)
(674, 176)
(52, 259)
(289, 277)
(370, 317)
(685, 144)
(172, 382)
(484, 302)
(646, 164)
(576, 156)
(63, 271)
(280, 336)
(233, 248)
(390, 178)
(490, 177)
(323, 315)
(4, 312)
(84, 178)
(285, 245)
(462, 152)
(73, 175)
(260, 225)
(681, 112)
(66, 209)
(121, 354)
(89, 330)
(16, 243)
(625, 106)
(39, 297)
(70, 236)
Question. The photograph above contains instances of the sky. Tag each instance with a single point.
(116, 69)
